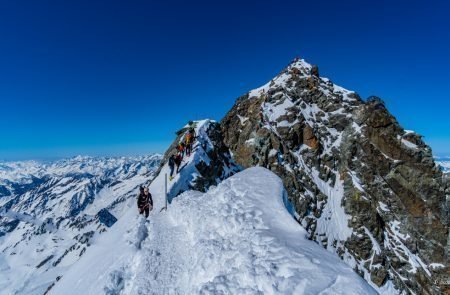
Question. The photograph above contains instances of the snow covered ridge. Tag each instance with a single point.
(50, 213)
(237, 238)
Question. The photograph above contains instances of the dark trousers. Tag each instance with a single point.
(188, 149)
(171, 170)
(145, 211)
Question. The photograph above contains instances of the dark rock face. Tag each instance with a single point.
(8, 227)
(106, 218)
(362, 186)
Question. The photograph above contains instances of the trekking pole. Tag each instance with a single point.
(165, 192)
(165, 189)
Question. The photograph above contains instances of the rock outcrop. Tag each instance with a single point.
(362, 186)
(209, 163)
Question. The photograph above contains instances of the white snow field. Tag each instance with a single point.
(238, 238)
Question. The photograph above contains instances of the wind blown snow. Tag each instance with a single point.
(238, 238)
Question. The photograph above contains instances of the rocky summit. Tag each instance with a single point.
(361, 185)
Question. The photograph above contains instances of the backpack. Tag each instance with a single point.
(188, 138)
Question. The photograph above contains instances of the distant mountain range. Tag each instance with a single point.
(444, 163)
(50, 212)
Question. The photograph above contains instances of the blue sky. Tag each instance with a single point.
(119, 77)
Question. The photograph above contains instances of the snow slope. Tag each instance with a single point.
(237, 238)
(52, 212)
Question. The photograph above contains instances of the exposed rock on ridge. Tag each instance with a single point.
(361, 185)
(209, 163)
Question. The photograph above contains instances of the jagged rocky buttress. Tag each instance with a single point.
(361, 185)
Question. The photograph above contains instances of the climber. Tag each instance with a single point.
(145, 201)
(181, 148)
(261, 120)
(188, 142)
(171, 166)
(193, 135)
(178, 159)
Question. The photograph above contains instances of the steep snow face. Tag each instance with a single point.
(238, 238)
(361, 185)
(50, 213)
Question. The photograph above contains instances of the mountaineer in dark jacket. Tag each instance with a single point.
(178, 159)
(145, 201)
(171, 166)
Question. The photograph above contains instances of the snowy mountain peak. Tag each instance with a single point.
(359, 182)
(308, 75)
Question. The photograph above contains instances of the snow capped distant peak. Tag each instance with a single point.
(24, 171)
(81, 158)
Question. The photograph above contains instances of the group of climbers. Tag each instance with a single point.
(183, 147)
(145, 200)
